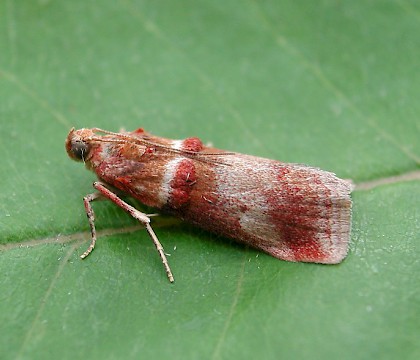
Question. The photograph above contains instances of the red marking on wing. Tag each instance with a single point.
(184, 177)
(300, 211)
(192, 144)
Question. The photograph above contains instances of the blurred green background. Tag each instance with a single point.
(332, 84)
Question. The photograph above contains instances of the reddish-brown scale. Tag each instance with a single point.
(283, 171)
(207, 207)
(129, 168)
(297, 217)
(129, 151)
(192, 144)
(181, 183)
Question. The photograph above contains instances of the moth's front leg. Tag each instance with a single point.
(91, 217)
(104, 192)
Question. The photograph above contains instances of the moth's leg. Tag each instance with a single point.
(143, 218)
(91, 217)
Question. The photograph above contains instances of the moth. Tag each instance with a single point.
(290, 211)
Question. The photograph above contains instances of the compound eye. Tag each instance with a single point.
(79, 149)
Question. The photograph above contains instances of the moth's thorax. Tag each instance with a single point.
(155, 170)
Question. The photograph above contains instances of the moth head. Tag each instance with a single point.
(78, 144)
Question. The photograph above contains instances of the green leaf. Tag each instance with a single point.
(331, 84)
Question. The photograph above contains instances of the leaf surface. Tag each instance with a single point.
(331, 84)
